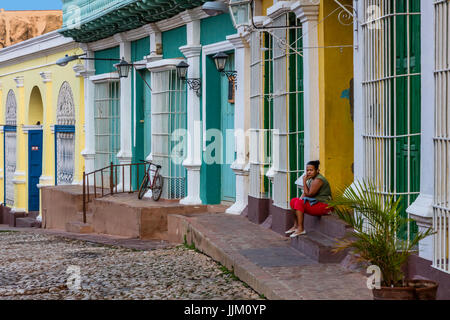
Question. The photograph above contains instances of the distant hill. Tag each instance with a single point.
(17, 26)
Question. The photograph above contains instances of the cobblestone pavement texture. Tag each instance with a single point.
(34, 265)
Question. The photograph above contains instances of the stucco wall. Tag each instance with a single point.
(336, 71)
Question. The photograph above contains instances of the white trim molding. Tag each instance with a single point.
(105, 77)
(191, 51)
(163, 64)
(18, 210)
(19, 177)
(27, 128)
(279, 8)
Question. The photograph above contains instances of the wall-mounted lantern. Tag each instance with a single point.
(241, 12)
(194, 83)
(123, 68)
(220, 59)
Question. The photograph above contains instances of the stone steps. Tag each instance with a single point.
(78, 227)
(27, 222)
(318, 247)
(329, 225)
(322, 236)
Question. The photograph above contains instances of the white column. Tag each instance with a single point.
(125, 154)
(421, 210)
(193, 160)
(308, 15)
(241, 121)
(155, 42)
(89, 126)
(358, 94)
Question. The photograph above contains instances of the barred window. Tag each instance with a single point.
(10, 147)
(391, 89)
(296, 130)
(107, 123)
(441, 217)
(169, 114)
(65, 139)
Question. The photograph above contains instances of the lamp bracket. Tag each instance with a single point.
(195, 84)
(231, 75)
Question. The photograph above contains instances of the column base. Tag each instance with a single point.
(421, 210)
(193, 181)
(236, 208)
(45, 181)
(89, 160)
(124, 186)
(241, 188)
(191, 201)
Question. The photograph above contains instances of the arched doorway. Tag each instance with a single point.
(35, 119)
(65, 136)
(10, 147)
(35, 110)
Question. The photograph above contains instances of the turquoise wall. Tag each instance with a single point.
(210, 181)
(106, 66)
(215, 29)
(139, 49)
(172, 40)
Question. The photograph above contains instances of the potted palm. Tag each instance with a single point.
(375, 220)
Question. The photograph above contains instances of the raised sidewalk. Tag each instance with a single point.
(266, 260)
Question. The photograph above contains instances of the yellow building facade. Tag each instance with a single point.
(42, 118)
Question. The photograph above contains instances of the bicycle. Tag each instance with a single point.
(156, 184)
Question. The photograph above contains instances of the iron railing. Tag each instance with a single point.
(113, 179)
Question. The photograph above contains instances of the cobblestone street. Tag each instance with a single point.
(37, 266)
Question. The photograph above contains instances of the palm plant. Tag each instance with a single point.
(375, 219)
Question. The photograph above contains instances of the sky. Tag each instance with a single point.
(31, 4)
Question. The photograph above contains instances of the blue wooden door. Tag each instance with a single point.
(34, 168)
(227, 125)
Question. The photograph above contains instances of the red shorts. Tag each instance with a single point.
(318, 209)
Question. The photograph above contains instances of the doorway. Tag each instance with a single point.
(227, 93)
(34, 168)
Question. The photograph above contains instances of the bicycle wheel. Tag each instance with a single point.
(157, 188)
(143, 188)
